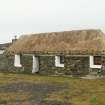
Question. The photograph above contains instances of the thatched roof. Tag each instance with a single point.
(69, 42)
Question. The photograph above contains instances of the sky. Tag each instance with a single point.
(18, 17)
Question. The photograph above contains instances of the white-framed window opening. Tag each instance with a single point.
(95, 61)
(17, 60)
(58, 61)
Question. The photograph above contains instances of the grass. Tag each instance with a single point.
(14, 96)
(78, 92)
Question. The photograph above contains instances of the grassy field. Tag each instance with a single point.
(23, 89)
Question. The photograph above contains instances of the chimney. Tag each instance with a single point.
(14, 40)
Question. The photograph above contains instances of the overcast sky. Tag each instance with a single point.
(19, 17)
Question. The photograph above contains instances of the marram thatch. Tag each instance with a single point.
(80, 41)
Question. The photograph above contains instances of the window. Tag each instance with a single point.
(61, 59)
(58, 62)
(97, 60)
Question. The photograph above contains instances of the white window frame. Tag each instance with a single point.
(17, 61)
(35, 66)
(57, 62)
(92, 65)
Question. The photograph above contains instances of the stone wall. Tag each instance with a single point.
(7, 64)
(77, 65)
(102, 72)
(73, 65)
(26, 62)
(47, 66)
(103, 60)
(3, 63)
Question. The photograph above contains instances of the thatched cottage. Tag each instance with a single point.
(80, 51)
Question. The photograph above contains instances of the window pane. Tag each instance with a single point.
(61, 59)
(97, 60)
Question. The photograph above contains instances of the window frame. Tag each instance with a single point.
(58, 62)
(91, 63)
